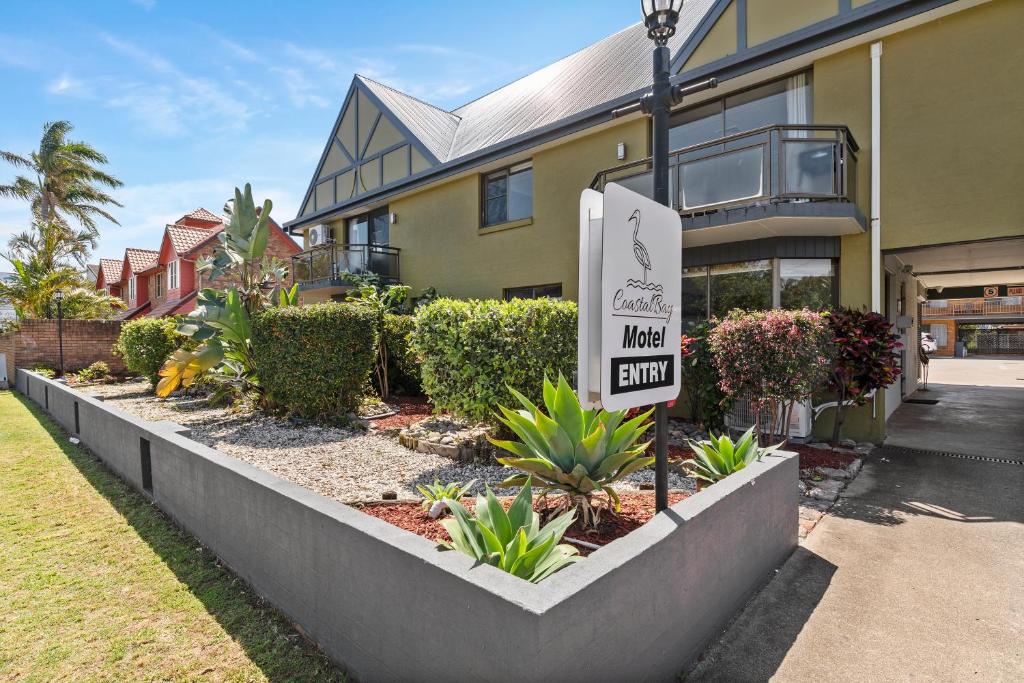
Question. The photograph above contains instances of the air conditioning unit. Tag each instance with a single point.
(741, 417)
(319, 234)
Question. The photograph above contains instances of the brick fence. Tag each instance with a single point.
(85, 342)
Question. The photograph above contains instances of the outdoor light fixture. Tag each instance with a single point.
(620, 151)
(660, 17)
(59, 298)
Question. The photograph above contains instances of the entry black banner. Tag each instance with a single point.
(638, 373)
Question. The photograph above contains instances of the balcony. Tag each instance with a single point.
(783, 180)
(974, 308)
(329, 265)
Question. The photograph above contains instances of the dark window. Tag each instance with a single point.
(534, 292)
(715, 290)
(787, 100)
(508, 194)
(809, 283)
(370, 228)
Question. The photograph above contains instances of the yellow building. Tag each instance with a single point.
(854, 153)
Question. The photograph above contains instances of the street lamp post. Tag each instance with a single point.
(660, 17)
(59, 296)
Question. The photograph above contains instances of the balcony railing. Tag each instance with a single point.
(992, 307)
(770, 164)
(328, 265)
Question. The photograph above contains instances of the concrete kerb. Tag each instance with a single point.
(391, 606)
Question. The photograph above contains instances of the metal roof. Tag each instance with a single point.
(433, 126)
(610, 68)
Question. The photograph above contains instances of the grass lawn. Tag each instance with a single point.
(96, 584)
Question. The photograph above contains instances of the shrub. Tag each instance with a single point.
(145, 344)
(403, 367)
(719, 457)
(97, 370)
(699, 377)
(864, 358)
(571, 449)
(512, 541)
(471, 351)
(314, 360)
(772, 359)
(44, 370)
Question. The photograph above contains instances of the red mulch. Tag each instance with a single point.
(637, 510)
(818, 457)
(410, 409)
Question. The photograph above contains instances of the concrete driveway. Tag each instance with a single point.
(916, 574)
(980, 410)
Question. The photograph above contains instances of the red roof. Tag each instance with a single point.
(202, 214)
(185, 238)
(111, 270)
(171, 307)
(141, 260)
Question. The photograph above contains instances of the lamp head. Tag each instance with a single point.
(660, 17)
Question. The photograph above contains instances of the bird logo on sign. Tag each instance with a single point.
(643, 257)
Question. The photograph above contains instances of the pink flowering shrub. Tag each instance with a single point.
(772, 359)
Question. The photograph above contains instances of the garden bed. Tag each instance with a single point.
(346, 464)
(637, 510)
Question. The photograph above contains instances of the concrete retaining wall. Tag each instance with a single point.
(390, 606)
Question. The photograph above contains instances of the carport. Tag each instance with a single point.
(972, 406)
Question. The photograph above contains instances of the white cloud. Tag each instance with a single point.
(301, 92)
(235, 49)
(311, 56)
(183, 99)
(66, 85)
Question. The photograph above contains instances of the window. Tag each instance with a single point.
(508, 194)
(159, 285)
(370, 228)
(807, 283)
(172, 275)
(752, 285)
(787, 100)
(746, 285)
(534, 292)
(131, 289)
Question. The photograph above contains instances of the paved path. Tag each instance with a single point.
(980, 410)
(917, 574)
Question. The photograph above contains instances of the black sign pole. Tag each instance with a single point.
(660, 103)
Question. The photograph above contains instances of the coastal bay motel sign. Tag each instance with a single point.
(631, 255)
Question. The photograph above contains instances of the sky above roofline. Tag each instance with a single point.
(189, 99)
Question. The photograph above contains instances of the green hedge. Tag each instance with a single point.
(315, 360)
(145, 343)
(403, 367)
(470, 350)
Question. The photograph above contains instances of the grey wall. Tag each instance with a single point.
(392, 607)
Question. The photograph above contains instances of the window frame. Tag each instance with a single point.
(131, 289)
(507, 172)
(159, 285)
(172, 275)
(507, 292)
(368, 216)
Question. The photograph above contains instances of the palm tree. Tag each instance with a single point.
(52, 245)
(68, 182)
(31, 291)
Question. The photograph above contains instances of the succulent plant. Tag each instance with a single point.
(439, 493)
(513, 541)
(572, 449)
(718, 457)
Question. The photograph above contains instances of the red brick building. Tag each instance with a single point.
(165, 282)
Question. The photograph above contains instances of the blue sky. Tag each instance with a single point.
(190, 98)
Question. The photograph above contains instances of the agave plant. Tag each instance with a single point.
(436, 493)
(512, 541)
(572, 449)
(718, 457)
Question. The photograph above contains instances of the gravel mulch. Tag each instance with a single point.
(343, 464)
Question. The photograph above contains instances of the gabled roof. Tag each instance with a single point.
(140, 260)
(563, 93)
(203, 215)
(110, 270)
(185, 238)
(433, 126)
(171, 307)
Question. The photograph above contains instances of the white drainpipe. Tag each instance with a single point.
(876, 180)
